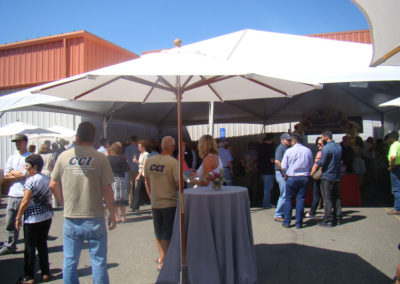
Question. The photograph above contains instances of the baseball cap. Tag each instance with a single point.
(286, 136)
(20, 137)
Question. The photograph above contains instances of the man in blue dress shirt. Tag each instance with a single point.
(331, 162)
(296, 163)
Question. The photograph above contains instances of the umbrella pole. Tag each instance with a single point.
(184, 274)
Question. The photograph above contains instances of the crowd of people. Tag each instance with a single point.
(96, 186)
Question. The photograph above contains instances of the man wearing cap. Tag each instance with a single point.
(226, 159)
(296, 163)
(394, 168)
(16, 173)
(279, 175)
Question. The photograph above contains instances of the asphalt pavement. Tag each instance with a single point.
(362, 250)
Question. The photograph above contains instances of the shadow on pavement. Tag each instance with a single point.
(293, 263)
(12, 269)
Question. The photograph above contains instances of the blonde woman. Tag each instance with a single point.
(208, 151)
(119, 166)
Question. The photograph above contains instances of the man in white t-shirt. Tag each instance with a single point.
(16, 173)
(161, 179)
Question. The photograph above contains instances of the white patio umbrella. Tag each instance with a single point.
(384, 22)
(22, 128)
(58, 132)
(394, 102)
(173, 76)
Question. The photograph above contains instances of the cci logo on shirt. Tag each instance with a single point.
(81, 161)
(157, 168)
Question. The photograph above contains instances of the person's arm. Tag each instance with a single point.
(108, 196)
(147, 184)
(15, 175)
(22, 207)
(392, 162)
(56, 190)
(208, 165)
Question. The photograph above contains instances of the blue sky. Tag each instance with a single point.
(146, 25)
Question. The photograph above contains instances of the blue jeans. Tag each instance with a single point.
(76, 231)
(295, 186)
(268, 181)
(227, 176)
(316, 196)
(282, 188)
(395, 180)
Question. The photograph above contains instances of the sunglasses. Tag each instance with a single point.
(320, 144)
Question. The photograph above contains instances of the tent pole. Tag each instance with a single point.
(184, 276)
(211, 119)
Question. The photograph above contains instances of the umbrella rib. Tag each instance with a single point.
(204, 81)
(97, 87)
(265, 85)
(187, 81)
(145, 82)
(151, 90)
(214, 91)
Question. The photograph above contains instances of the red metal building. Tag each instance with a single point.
(37, 61)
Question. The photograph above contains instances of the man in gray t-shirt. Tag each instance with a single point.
(86, 177)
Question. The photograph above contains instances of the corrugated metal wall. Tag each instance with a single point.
(362, 36)
(31, 64)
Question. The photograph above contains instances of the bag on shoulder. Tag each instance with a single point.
(317, 174)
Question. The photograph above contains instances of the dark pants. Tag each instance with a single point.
(332, 204)
(316, 196)
(36, 238)
(295, 187)
(140, 195)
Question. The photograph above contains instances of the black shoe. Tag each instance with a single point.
(299, 226)
(285, 225)
(325, 224)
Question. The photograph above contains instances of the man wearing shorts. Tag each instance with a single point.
(161, 179)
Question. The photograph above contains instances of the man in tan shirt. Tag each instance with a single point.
(86, 176)
(161, 179)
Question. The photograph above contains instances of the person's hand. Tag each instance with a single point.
(137, 178)
(18, 224)
(112, 222)
(135, 160)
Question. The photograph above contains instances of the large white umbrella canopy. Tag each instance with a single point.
(153, 78)
(384, 22)
(22, 128)
(173, 76)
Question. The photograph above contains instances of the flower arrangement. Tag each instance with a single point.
(216, 179)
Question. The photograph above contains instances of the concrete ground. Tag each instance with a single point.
(362, 250)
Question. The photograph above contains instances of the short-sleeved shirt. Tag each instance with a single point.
(225, 155)
(266, 152)
(119, 165)
(83, 172)
(250, 160)
(17, 163)
(394, 151)
(131, 151)
(279, 152)
(162, 172)
(297, 161)
(39, 208)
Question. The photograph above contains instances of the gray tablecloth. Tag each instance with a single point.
(219, 238)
